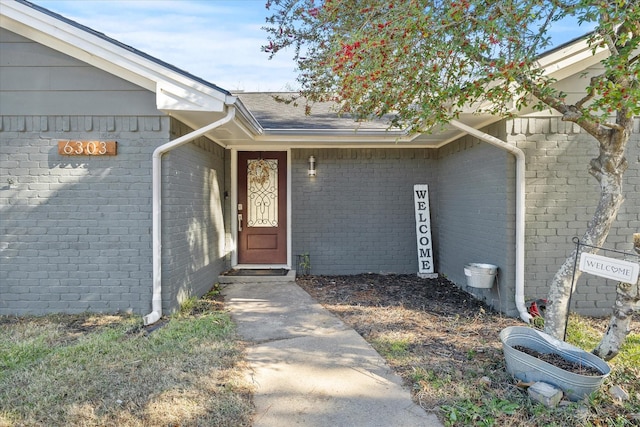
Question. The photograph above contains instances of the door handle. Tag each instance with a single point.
(239, 222)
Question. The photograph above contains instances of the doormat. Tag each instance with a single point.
(259, 272)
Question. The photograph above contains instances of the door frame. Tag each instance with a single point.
(234, 209)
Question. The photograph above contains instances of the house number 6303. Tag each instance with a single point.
(87, 148)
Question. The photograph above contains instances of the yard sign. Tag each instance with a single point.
(610, 268)
(423, 231)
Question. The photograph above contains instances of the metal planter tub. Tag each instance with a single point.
(480, 275)
(531, 369)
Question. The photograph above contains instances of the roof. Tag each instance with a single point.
(192, 100)
(261, 118)
(286, 110)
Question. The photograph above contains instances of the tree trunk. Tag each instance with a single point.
(608, 169)
(555, 320)
(627, 302)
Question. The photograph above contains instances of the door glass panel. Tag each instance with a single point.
(262, 193)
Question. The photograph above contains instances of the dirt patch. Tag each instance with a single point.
(432, 303)
(443, 319)
(560, 362)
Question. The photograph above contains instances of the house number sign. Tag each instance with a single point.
(87, 148)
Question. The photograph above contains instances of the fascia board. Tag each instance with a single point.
(173, 97)
(182, 92)
(337, 132)
(247, 119)
(335, 135)
(570, 59)
(320, 142)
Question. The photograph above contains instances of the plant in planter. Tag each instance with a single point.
(529, 366)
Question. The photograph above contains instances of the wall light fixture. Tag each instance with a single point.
(312, 166)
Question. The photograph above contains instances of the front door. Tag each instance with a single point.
(262, 207)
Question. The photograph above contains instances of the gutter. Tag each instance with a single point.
(520, 208)
(156, 299)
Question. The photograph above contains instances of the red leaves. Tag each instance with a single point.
(464, 4)
(270, 48)
(348, 50)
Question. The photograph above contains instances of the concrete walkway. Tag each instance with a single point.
(309, 368)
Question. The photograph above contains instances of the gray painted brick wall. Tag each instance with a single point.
(193, 223)
(475, 215)
(561, 198)
(75, 231)
(357, 215)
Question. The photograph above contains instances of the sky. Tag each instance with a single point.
(217, 40)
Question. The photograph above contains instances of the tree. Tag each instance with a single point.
(423, 62)
(627, 302)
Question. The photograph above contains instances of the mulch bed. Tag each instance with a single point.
(438, 296)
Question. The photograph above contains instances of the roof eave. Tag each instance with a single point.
(174, 90)
(564, 60)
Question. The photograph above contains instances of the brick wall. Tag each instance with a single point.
(193, 247)
(561, 198)
(357, 215)
(75, 233)
(476, 214)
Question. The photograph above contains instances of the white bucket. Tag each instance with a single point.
(480, 275)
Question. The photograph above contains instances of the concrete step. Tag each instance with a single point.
(256, 276)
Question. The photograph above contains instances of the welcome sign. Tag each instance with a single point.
(423, 231)
(610, 268)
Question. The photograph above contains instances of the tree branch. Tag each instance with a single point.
(611, 44)
(610, 125)
(591, 93)
(570, 113)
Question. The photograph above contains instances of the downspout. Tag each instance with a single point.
(156, 299)
(520, 208)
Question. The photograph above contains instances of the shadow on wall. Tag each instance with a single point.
(203, 237)
(76, 234)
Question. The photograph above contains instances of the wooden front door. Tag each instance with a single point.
(262, 207)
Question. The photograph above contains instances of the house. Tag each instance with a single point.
(127, 184)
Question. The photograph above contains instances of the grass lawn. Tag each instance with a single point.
(106, 370)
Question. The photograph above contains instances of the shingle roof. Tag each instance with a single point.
(272, 113)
